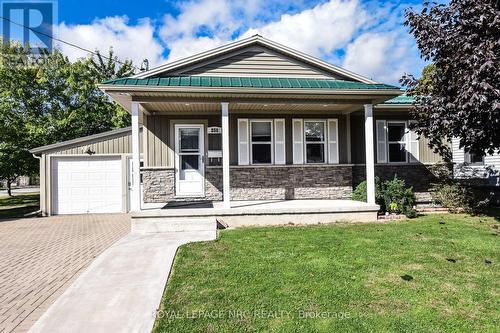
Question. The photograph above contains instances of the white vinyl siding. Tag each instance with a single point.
(298, 141)
(381, 141)
(490, 161)
(333, 141)
(279, 141)
(243, 144)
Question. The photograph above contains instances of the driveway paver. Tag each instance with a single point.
(41, 257)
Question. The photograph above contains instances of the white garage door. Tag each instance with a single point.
(86, 185)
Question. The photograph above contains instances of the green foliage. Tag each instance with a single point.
(359, 193)
(46, 98)
(392, 196)
(459, 197)
(397, 197)
(360, 270)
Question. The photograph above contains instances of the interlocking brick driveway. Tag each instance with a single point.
(40, 257)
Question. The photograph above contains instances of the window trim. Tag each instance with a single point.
(251, 121)
(405, 140)
(324, 142)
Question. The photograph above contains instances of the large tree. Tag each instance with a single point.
(459, 95)
(47, 98)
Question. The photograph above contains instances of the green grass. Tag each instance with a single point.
(19, 205)
(354, 276)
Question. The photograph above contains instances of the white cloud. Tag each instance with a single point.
(382, 56)
(212, 15)
(365, 37)
(188, 46)
(317, 31)
(134, 42)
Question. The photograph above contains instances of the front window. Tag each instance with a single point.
(315, 141)
(261, 141)
(396, 142)
(477, 159)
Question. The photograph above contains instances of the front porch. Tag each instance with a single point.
(155, 217)
(254, 144)
(303, 155)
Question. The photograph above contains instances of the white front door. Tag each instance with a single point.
(189, 161)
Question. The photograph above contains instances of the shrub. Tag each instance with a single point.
(458, 197)
(359, 193)
(397, 197)
(392, 196)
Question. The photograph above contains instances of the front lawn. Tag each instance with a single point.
(438, 273)
(19, 205)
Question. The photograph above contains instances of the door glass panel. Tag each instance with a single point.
(190, 162)
(189, 140)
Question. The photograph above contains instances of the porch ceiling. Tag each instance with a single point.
(159, 107)
(161, 101)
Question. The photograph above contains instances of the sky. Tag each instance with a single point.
(367, 37)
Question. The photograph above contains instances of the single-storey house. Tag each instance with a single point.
(250, 120)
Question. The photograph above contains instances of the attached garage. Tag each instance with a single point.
(86, 175)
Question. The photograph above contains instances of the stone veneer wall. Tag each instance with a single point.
(420, 176)
(159, 185)
(291, 182)
(258, 183)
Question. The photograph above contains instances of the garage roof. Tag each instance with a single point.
(85, 139)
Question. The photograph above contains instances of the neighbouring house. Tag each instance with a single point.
(251, 120)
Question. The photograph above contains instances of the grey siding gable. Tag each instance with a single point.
(112, 142)
(255, 62)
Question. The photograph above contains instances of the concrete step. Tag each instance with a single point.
(206, 227)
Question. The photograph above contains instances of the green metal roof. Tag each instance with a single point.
(249, 82)
(403, 99)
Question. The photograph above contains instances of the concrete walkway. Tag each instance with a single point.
(120, 291)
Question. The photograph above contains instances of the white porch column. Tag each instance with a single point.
(370, 156)
(225, 155)
(135, 202)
